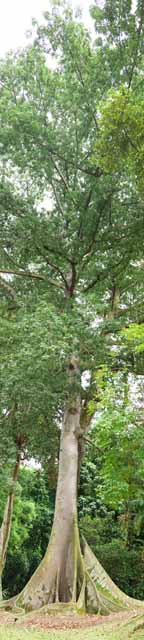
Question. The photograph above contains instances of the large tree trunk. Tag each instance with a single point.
(5, 528)
(60, 576)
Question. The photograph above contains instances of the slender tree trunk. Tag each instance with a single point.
(5, 528)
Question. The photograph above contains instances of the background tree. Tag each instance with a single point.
(32, 520)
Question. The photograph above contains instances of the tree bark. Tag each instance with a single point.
(60, 574)
(5, 528)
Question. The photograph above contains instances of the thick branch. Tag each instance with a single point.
(28, 274)
(73, 279)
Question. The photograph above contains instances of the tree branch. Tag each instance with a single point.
(51, 264)
(87, 202)
(57, 200)
(59, 253)
(92, 444)
(61, 175)
(56, 268)
(28, 274)
(92, 283)
(91, 247)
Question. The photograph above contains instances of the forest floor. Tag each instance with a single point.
(122, 626)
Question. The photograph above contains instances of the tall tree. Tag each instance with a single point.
(68, 229)
(5, 527)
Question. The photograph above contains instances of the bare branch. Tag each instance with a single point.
(56, 268)
(61, 175)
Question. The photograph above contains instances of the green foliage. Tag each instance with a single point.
(118, 435)
(120, 146)
(134, 335)
(32, 520)
(126, 567)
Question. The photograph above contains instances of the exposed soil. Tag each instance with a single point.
(68, 621)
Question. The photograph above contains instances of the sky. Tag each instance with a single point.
(16, 15)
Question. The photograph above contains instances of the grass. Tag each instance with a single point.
(129, 627)
(102, 632)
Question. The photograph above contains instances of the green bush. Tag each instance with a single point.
(125, 566)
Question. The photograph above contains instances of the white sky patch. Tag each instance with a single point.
(32, 464)
(136, 391)
(16, 17)
(85, 379)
